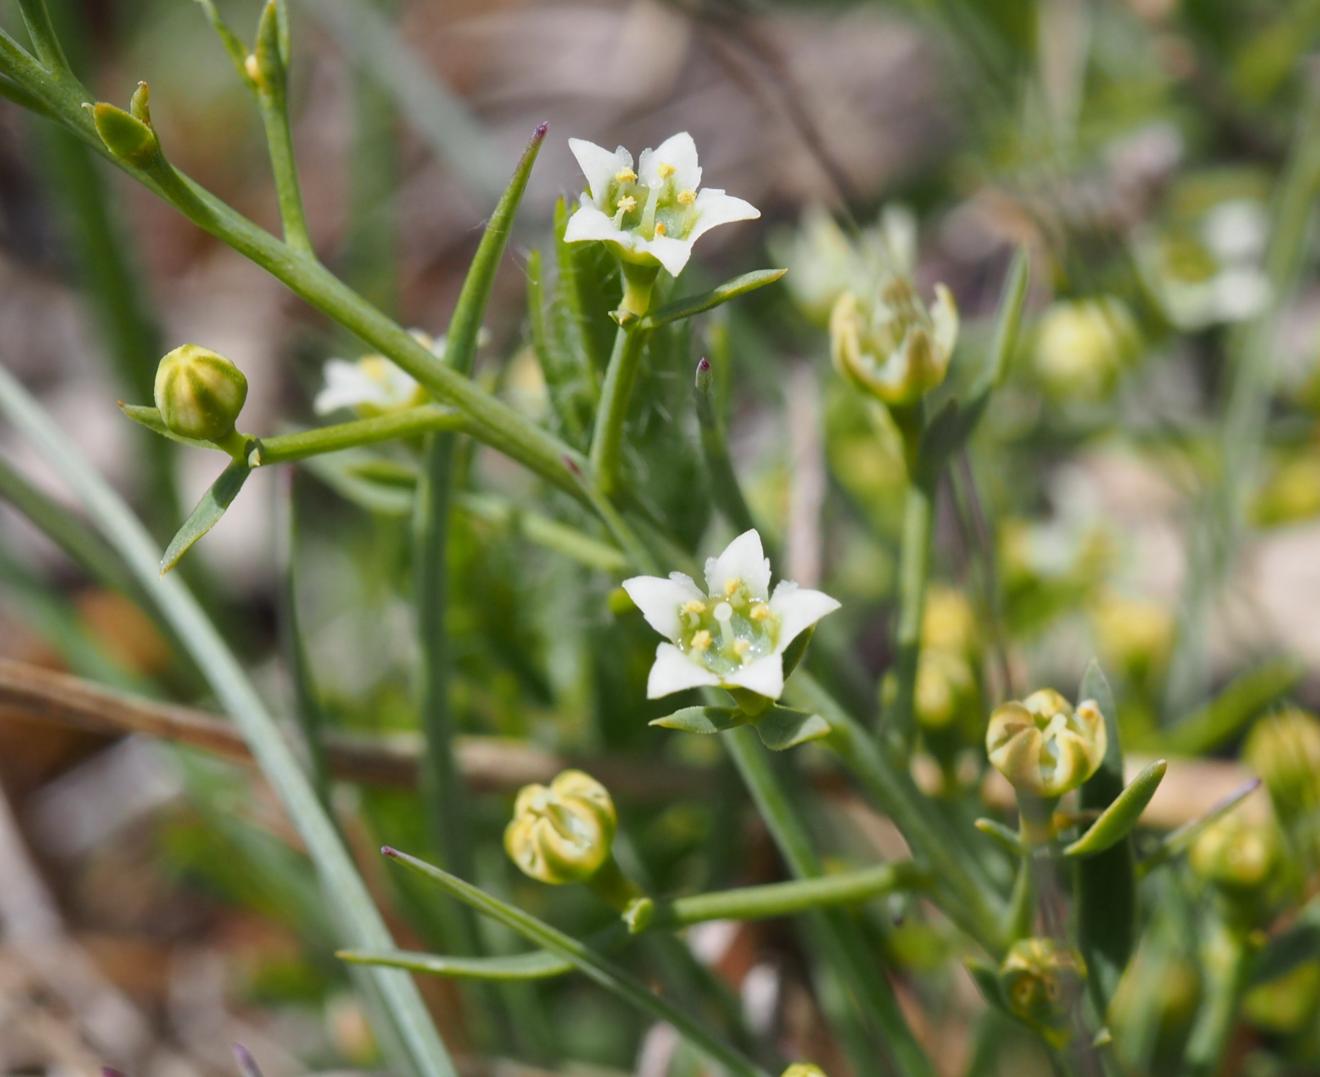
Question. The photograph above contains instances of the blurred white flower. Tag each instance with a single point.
(652, 214)
(735, 633)
(372, 385)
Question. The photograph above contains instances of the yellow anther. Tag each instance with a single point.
(694, 605)
(759, 612)
(627, 203)
(730, 586)
(666, 170)
(625, 175)
(741, 647)
(659, 228)
(701, 640)
(375, 367)
(686, 198)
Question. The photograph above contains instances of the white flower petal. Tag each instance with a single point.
(679, 152)
(671, 253)
(659, 599)
(798, 608)
(349, 385)
(765, 676)
(673, 671)
(743, 559)
(598, 164)
(715, 208)
(588, 223)
(944, 315)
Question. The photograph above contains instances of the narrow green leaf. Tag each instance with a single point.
(1117, 820)
(206, 514)
(1107, 881)
(1009, 319)
(587, 960)
(1228, 713)
(695, 304)
(1003, 836)
(401, 1011)
(233, 46)
(781, 728)
(702, 719)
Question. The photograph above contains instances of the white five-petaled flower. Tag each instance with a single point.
(372, 385)
(654, 213)
(735, 633)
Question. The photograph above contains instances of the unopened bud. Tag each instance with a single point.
(125, 135)
(561, 833)
(889, 345)
(1045, 747)
(803, 1069)
(1082, 347)
(1236, 854)
(1042, 980)
(199, 394)
(1284, 749)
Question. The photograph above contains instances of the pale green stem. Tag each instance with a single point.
(615, 394)
(1227, 966)
(833, 930)
(279, 138)
(411, 422)
(899, 724)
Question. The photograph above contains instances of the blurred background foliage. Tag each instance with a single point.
(1146, 487)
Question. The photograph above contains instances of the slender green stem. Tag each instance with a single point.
(913, 573)
(42, 32)
(269, 73)
(411, 422)
(357, 919)
(969, 899)
(544, 531)
(1227, 964)
(836, 934)
(615, 394)
(587, 960)
(725, 487)
(790, 898)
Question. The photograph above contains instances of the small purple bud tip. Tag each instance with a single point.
(541, 129)
(572, 466)
(703, 365)
(388, 850)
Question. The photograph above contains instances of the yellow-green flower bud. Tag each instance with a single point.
(889, 344)
(199, 393)
(561, 833)
(1133, 634)
(946, 689)
(1045, 747)
(1284, 749)
(948, 623)
(1042, 980)
(803, 1069)
(1082, 347)
(1237, 855)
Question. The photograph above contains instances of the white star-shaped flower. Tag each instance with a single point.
(372, 385)
(735, 633)
(654, 213)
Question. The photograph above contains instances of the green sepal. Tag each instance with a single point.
(1118, 820)
(139, 105)
(696, 304)
(703, 719)
(149, 416)
(124, 135)
(781, 728)
(1003, 836)
(206, 514)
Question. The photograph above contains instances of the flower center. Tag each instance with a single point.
(728, 630)
(658, 210)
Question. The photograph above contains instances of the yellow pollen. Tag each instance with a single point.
(375, 367)
(666, 170)
(694, 606)
(701, 641)
(741, 647)
(686, 198)
(625, 175)
(659, 228)
(627, 203)
(731, 585)
(759, 612)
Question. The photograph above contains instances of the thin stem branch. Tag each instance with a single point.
(615, 394)
(899, 723)
(411, 422)
(269, 72)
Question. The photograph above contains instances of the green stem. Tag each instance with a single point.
(725, 487)
(835, 933)
(967, 896)
(1227, 966)
(790, 898)
(411, 422)
(279, 138)
(913, 572)
(620, 376)
(587, 960)
(42, 32)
